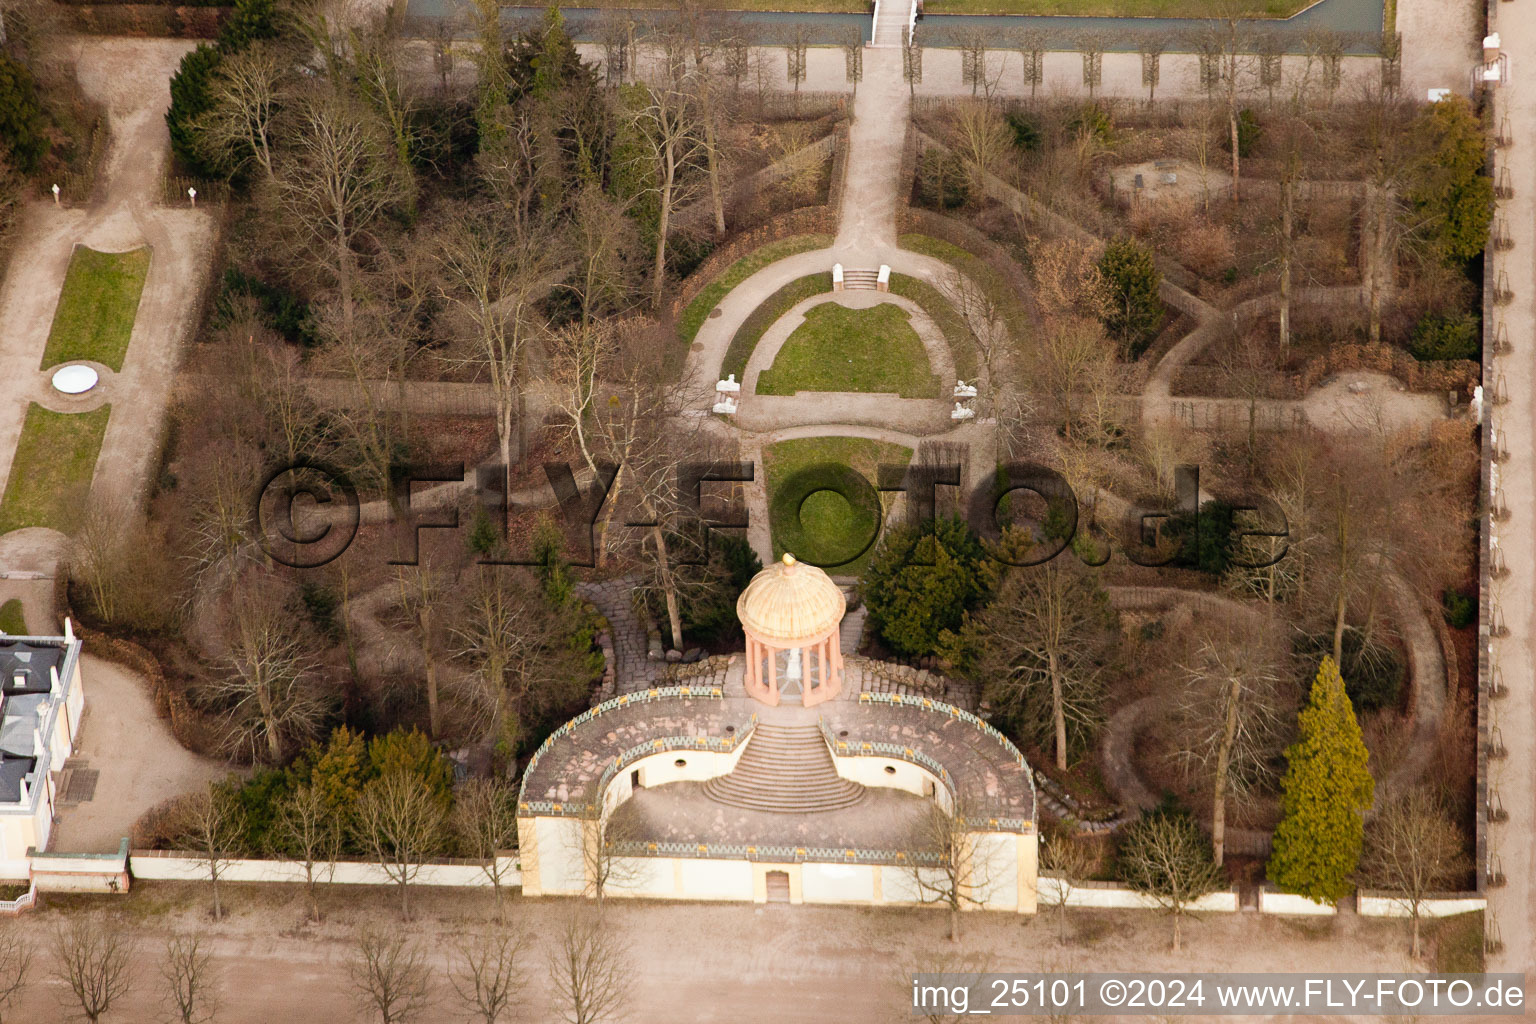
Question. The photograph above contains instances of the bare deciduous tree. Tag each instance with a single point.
(604, 855)
(492, 978)
(1413, 849)
(422, 590)
(965, 868)
(191, 979)
(1042, 643)
(237, 128)
(309, 830)
(1231, 714)
(93, 958)
(15, 964)
(485, 820)
(214, 827)
(268, 695)
(336, 174)
(1165, 857)
(589, 970)
(668, 125)
(1068, 861)
(390, 976)
(494, 281)
(400, 821)
(982, 142)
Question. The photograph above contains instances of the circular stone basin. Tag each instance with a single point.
(75, 380)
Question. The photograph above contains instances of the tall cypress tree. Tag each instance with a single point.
(1325, 794)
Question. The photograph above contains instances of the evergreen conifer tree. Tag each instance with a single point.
(1325, 793)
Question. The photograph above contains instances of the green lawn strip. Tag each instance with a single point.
(819, 6)
(760, 319)
(842, 349)
(10, 618)
(1080, 8)
(697, 311)
(957, 333)
(51, 472)
(975, 268)
(1119, 8)
(96, 307)
(826, 521)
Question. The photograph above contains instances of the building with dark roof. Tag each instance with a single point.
(41, 701)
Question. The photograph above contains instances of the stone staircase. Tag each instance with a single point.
(786, 769)
(861, 280)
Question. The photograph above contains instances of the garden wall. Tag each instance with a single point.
(1111, 895)
(181, 866)
(186, 724)
(143, 20)
(808, 220)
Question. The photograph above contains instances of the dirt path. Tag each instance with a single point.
(1512, 908)
(131, 78)
(1426, 680)
(140, 762)
(690, 963)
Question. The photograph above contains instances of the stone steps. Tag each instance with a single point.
(787, 770)
(861, 280)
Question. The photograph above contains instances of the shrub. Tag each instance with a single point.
(1207, 541)
(249, 21)
(1460, 608)
(410, 751)
(1248, 132)
(709, 610)
(1093, 120)
(941, 180)
(281, 310)
(1135, 312)
(1026, 132)
(1205, 248)
(1453, 336)
(1373, 672)
(191, 97)
(1448, 188)
(922, 581)
(23, 125)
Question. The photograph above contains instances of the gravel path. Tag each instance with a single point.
(131, 78)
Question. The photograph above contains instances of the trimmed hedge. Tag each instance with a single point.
(711, 295)
(136, 19)
(776, 305)
(957, 333)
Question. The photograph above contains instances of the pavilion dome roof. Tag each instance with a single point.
(790, 601)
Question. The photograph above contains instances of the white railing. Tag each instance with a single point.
(20, 903)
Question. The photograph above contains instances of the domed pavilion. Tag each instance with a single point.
(791, 614)
(793, 771)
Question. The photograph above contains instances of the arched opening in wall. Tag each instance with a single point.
(929, 790)
(680, 763)
(890, 769)
(634, 779)
(778, 886)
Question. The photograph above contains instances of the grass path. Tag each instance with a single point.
(94, 318)
(11, 620)
(50, 477)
